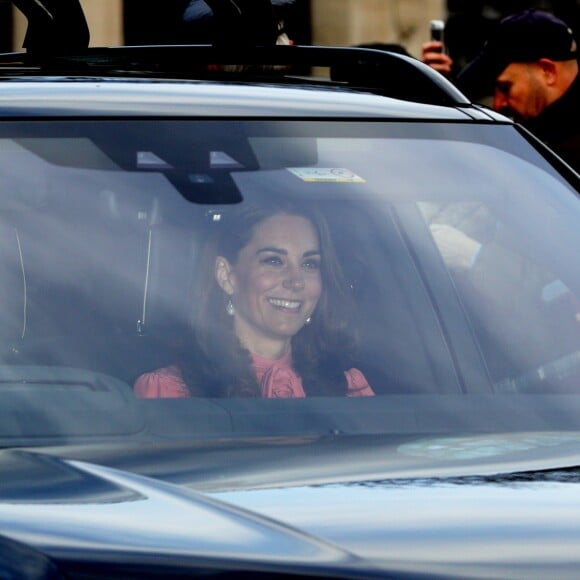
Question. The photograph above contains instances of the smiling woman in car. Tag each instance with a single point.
(273, 316)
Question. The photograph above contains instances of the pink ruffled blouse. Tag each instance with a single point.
(277, 380)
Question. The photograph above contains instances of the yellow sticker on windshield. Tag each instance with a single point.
(326, 174)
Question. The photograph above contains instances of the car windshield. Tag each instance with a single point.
(427, 270)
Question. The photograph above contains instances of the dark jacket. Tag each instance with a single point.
(558, 126)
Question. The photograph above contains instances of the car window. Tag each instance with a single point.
(456, 243)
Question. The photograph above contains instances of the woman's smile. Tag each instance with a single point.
(285, 304)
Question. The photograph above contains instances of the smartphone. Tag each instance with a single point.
(437, 28)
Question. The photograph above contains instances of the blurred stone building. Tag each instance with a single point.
(328, 22)
(325, 22)
(105, 18)
(347, 22)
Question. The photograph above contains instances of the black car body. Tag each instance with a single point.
(114, 164)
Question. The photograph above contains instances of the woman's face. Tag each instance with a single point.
(275, 283)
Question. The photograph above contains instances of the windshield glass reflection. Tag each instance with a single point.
(277, 261)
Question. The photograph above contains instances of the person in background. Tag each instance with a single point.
(235, 22)
(529, 66)
(274, 314)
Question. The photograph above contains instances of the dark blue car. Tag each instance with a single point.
(418, 286)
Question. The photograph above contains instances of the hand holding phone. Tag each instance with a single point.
(433, 52)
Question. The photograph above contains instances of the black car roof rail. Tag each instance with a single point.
(378, 71)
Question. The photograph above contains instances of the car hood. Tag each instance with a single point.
(84, 515)
(523, 524)
(481, 528)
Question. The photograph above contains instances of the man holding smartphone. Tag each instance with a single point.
(530, 69)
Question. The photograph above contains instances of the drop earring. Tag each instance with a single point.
(230, 307)
(308, 320)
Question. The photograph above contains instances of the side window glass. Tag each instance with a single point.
(524, 314)
(401, 345)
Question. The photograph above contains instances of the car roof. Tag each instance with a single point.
(194, 81)
(34, 97)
